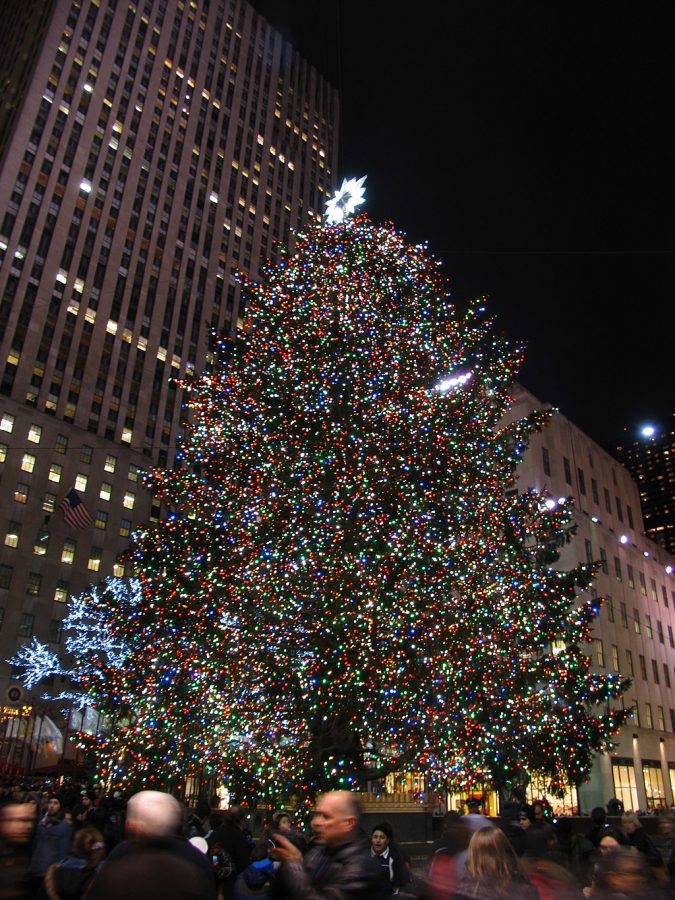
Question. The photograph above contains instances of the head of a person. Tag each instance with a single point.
(630, 823)
(524, 820)
(336, 817)
(17, 823)
(473, 805)
(623, 871)
(153, 814)
(491, 857)
(610, 839)
(538, 812)
(88, 844)
(667, 823)
(282, 822)
(380, 837)
(85, 800)
(53, 806)
(598, 816)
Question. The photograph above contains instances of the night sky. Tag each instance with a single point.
(532, 146)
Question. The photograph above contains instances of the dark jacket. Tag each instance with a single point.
(67, 880)
(52, 843)
(345, 872)
(473, 889)
(642, 842)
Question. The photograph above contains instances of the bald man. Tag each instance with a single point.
(338, 865)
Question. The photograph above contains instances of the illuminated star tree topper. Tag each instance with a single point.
(345, 200)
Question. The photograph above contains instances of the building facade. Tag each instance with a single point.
(651, 461)
(158, 148)
(634, 634)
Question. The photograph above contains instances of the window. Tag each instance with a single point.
(101, 520)
(68, 552)
(589, 551)
(671, 639)
(28, 462)
(129, 499)
(659, 631)
(630, 576)
(655, 595)
(629, 513)
(661, 718)
(35, 434)
(86, 453)
(648, 627)
(49, 502)
(666, 675)
(615, 657)
(623, 776)
(55, 631)
(7, 423)
(599, 652)
(12, 536)
(608, 502)
(655, 672)
(21, 493)
(609, 606)
(594, 491)
(106, 491)
(81, 482)
(34, 583)
(5, 576)
(636, 621)
(2, 619)
(619, 510)
(649, 721)
(110, 463)
(568, 470)
(643, 583)
(603, 561)
(617, 568)
(61, 444)
(643, 667)
(582, 482)
(653, 777)
(133, 472)
(26, 625)
(125, 527)
(55, 471)
(546, 461)
(94, 563)
(636, 713)
(3, 452)
(61, 592)
(624, 614)
(41, 542)
(629, 663)
(118, 570)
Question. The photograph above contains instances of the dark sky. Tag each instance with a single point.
(532, 146)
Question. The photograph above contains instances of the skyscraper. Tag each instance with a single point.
(151, 151)
(650, 458)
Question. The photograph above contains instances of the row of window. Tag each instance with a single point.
(600, 659)
(625, 787)
(637, 621)
(41, 544)
(630, 575)
(595, 492)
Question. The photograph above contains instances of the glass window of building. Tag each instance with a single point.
(568, 470)
(21, 493)
(101, 520)
(26, 625)
(61, 592)
(81, 482)
(125, 527)
(3, 452)
(68, 552)
(55, 472)
(617, 568)
(615, 657)
(35, 434)
(86, 453)
(94, 563)
(49, 502)
(28, 462)
(7, 423)
(106, 491)
(653, 777)
(33, 584)
(623, 776)
(133, 472)
(629, 662)
(5, 576)
(546, 460)
(12, 535)
(129, 499)
(643, 667)
(110, 463)
(61, 443)
(624, 614)
(649, 721)
(599, 652)
(609, 606)
(636, 621)
(41, 544)
(630, 576)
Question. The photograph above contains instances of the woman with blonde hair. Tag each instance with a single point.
(493, 870)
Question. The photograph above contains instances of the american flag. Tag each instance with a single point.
(74, 511)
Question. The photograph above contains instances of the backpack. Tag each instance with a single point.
(223, 864)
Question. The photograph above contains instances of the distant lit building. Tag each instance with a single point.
(650, 458)
(150, 151)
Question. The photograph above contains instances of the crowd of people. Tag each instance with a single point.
(74, 841)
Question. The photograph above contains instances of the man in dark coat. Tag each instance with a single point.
(52, 841)
(155, 860)
(338, 865)
(229, 838)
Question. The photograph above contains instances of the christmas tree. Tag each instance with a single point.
(344, 587)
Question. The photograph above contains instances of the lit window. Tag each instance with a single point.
(94, 563)
(110, 463)
(61, 592)
(133, 472)
(55, 471)
(125, 527)
(106, 491)
(81, 482)
(35, 433)
(101, 520)
(21, 493)
(68, 552)
(3, 452)
(118, 570)
(7, 422)
(41, 542)
(12, 536)
(86, 453)
(599, 652)
(49, 502)
(34, 583)
(28, 462)
(129, 500)
(649, 722)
